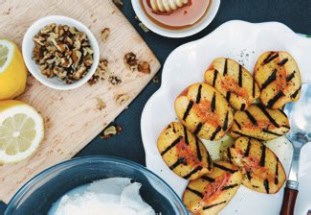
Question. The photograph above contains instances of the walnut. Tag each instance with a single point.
(110, 131)
(130, 59)
(63, 51)
(100, 73)
(134, 64)
(144, 67)
(93, 80)
(60, 72)
(76, 56)
(79, 73)
(114, 80)
(103, 73)
(39, 40)
(48, 73)
(103, 64)
(105, 34)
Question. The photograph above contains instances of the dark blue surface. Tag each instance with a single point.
(128, 144)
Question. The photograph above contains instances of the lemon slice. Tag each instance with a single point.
(21, 131)
(13, 73)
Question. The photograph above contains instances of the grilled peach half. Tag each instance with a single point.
(233, 81)
(210, 193)
(262, 170)
(183, 152)
(279, 79)
(204, 111)
(260, 123)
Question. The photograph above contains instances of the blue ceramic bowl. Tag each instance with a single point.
(38, 195)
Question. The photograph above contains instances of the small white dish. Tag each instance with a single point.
(243, 42)
(203, 23)
(28, 46)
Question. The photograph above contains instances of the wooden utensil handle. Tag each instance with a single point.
(289, 201)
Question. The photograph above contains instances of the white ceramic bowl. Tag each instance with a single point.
(205, 21)
(28, 46)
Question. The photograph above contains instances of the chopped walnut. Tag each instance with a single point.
(130, 59)
(110, 131)
(93, 80)
(134, 64)
(103, 73)
(122, 99)
(114, 80)
(105, 34)
(103, 64)
(100, 72)
(62, 51)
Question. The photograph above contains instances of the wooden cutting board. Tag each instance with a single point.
(73, 118)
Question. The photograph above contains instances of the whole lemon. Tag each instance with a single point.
(13, 72)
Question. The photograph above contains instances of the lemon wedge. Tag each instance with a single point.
(21, 131)
(13, 73)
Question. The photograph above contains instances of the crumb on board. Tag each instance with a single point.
(8, 11)
(47, 122)
(103, 73)
(29, 84)
(134, 64)
(110, 131)
(100, 104)
(121, 99)
(105, 34)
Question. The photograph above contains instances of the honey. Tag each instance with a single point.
(184, 17)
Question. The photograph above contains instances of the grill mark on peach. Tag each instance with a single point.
(172, 145)
(189, 107)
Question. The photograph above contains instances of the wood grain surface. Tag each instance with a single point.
(72, 118)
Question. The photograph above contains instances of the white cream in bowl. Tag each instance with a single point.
(113, 196)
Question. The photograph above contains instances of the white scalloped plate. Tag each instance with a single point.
(243, 42)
